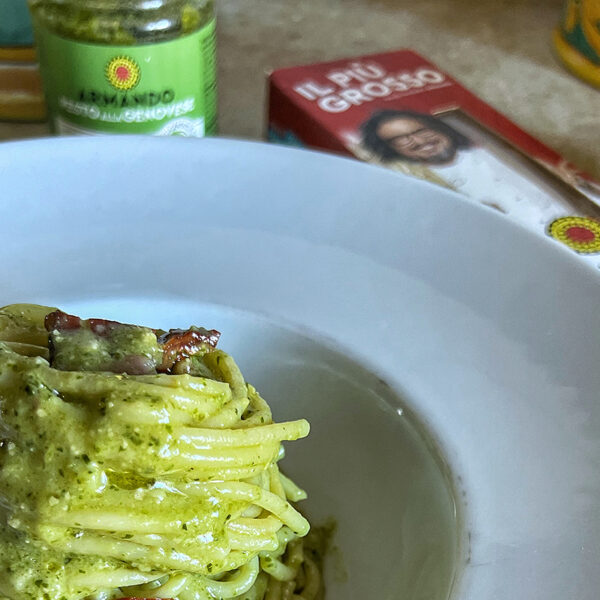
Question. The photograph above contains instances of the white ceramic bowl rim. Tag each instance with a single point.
(490, 332)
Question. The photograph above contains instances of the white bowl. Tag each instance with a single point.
(448, 359)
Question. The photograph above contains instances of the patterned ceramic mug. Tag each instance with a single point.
(577, 39)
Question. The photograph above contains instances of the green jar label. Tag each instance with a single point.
(167, 88)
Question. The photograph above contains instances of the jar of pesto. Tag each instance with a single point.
(128, 66)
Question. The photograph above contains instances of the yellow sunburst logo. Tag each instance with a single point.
(123, 73)
(579, 233)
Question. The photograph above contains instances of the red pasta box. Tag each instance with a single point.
(398, 110)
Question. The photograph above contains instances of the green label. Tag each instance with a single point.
(163, 89)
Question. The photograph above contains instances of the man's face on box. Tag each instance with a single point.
(415, 140)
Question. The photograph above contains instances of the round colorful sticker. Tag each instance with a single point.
(123, 73)
(579, 233)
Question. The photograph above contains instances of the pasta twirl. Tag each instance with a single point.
(136, 463)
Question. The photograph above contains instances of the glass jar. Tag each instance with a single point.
(128, 66)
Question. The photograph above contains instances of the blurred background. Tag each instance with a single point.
(500, 49)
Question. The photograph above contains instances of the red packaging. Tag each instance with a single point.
(399, 110)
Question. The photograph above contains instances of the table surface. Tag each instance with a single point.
(500, 49)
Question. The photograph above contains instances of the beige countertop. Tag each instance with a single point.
(500, 49)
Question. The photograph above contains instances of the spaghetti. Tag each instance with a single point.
(136, 463)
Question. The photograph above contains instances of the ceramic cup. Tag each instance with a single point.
(577, 39)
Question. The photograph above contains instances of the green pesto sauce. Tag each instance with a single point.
(67, 452)
(121, 22)
(33, 572)
(82, 350)
(24, 323)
